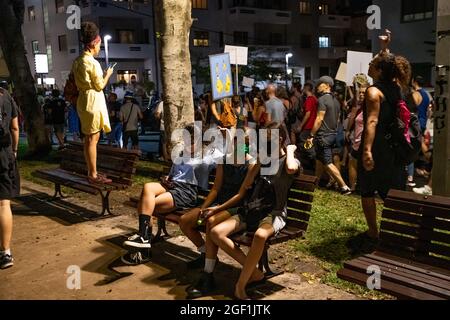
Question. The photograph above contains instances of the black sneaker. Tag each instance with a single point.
(136, 241)
(135, 258)
(204, 286)
(196, 263)
(6, 261)
(346, 191)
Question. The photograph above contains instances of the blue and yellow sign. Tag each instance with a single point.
(221, 77)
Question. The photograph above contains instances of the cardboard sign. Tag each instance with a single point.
(342, 72)
(238, 55)
(357, 62)
(248, 82)
(221, 77)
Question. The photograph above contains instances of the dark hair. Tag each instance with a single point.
(282, 93)
(420, 80)
(89, 31)
(309, 86)
(393, 68)
(55, 93)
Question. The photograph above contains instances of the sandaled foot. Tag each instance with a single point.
(100, 179)
(240, 294)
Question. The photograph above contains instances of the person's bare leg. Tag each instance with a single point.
(148, 197)
(334, 172)
(370, 212)
(60, 137)
(188, 225)
(90, 153)
(6, 224)
(319, 169)
(255, 252)
(353, 173)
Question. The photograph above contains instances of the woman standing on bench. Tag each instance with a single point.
(282, 180)
(177, 191)
(227, 182)
(91, 104)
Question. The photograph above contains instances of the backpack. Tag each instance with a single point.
(404, 133)
(260, 202)
(228, 118)
(71, 90)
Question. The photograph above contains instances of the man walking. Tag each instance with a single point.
(9, 173)
(324, 132)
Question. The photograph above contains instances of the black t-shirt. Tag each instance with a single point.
(8, 111)
(114, 107)
(58, 111)
(332, 108)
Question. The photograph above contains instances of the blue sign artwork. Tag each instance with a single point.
(221, 78)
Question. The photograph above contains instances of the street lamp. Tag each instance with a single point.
(288, 56)
(106, 38)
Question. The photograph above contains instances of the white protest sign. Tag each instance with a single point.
(357, 62)
(248, 82)
(238, 55)
(342, 72)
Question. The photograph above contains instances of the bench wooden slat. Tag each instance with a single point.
(50, 175)
(299, 205)
(425, 222)
(407, 280)
(299, 215)
(394, 289)
(301, 196)
(417, 208)
(78, 168)
(443, 202)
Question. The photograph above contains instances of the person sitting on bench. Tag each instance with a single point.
(227, 181)
(217, 237)
(178, 190)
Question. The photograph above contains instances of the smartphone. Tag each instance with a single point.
(112, 65)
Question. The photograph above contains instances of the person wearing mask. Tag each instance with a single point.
(324, 132)
(130, 114)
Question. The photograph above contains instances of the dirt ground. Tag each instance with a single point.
(50, 238)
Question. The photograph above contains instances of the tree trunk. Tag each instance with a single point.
(12, 44)
(173, 21)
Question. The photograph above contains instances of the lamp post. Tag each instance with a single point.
(288, 56)
(106, 38)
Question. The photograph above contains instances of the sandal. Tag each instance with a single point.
(101, 179)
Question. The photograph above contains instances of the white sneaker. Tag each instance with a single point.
(426, 191)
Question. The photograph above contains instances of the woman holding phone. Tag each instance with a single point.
(91, 104)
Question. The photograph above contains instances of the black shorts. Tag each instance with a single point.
(354, 154)
(184, 195)
(324, 148)
(9, 175)
(133, 135)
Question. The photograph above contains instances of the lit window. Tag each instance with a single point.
(201, 39)
(324, 42)
(417, 10)
(31, 13)
(59, 5)
(199, 4)
(35, 46)
(305, 7)
(126, 36)
(323, 9)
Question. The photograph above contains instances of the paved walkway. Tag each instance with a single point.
(51, 237)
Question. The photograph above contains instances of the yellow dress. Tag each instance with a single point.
(91, 103)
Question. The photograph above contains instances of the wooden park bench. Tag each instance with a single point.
(300, 200)
(118, 164)
(414, 250)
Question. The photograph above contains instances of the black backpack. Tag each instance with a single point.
(260, 202)
(406, 144)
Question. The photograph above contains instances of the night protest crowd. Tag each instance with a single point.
(325, 128)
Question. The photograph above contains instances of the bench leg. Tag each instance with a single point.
(58, 192)
(264, 263)
(105, 203)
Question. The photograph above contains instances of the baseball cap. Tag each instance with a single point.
(325, 79)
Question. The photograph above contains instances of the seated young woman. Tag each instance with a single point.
(218, 237)
(228, 180)
(177, 191)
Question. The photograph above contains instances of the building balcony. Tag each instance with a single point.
(125, 51)
(257, 15)
(114, 8)
(335, 22)
(332, 53)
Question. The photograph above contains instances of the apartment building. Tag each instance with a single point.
(413, 24)
(129, 23)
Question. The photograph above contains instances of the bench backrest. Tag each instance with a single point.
(117, 164)
(300, 199)
(416, 227)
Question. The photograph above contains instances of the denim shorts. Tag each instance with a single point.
(324, 148)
